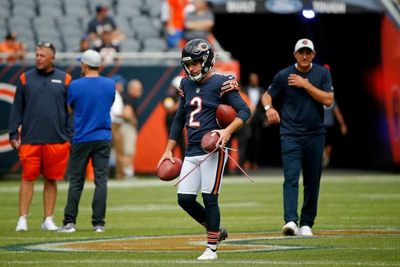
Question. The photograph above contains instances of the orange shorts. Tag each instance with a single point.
(47, 159)
(90, 171)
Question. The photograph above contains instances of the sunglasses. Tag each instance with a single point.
(47, 45)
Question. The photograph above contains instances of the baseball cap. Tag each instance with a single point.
(119, 79)
(91, 58)
(304, 43)
(85, 37)
(100, 8)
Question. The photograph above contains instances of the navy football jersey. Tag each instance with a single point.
(300, 113)
(197, 106)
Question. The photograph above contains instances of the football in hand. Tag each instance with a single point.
(208, 141)
(225, 114)
(168, 171)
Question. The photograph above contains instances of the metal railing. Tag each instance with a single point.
(131, 58)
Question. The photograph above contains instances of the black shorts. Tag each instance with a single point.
(330, 135)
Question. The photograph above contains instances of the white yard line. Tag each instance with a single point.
(154, 182)
(191, 262)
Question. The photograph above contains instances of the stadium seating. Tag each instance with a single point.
(131, 45)
(153, 44)
(63, 22)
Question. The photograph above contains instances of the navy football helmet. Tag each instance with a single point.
(198, 50)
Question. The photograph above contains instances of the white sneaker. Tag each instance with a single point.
(290, 229)
(68, 228)
(305, 230)
(208, 255)
(99, 229)
(48, 224)
(22, 224)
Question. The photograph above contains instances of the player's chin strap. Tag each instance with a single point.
(209, 154)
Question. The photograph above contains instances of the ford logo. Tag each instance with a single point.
(283, 6)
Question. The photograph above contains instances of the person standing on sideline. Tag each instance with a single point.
(117, 118)
(303, 89)
(201, 92)
(171, 104)
(129, 127)
(254, 90)
(90, 99)
(331, 115)
(40, 129)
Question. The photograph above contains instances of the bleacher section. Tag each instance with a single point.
(64, 22)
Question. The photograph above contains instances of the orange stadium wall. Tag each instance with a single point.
(391, 84)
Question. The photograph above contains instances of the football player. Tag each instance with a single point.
(201, 91)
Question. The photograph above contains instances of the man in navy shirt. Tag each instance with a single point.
(303, 89)
(40, 129)
(201, 92)
(90, 99)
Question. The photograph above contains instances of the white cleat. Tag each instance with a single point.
(22, 225)
(305, 230)
(48, 224)
(290, 229)
(208, 255)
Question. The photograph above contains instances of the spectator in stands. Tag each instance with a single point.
(129, 127)
(84, 43)
(102, 22)
(107, 47)
(199, 22)
(173, 20)
(14, 49)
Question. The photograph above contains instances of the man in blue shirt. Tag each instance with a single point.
(201, 92)
(90, 99)
(303, 89)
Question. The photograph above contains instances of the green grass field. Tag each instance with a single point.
(358, 224)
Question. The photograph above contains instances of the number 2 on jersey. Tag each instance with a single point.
(196, 102)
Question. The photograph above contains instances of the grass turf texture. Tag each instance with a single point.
(357, 225)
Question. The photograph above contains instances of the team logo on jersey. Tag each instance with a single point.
(7, 93)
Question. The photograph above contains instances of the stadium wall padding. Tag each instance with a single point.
(152, 132)
(155, 79)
